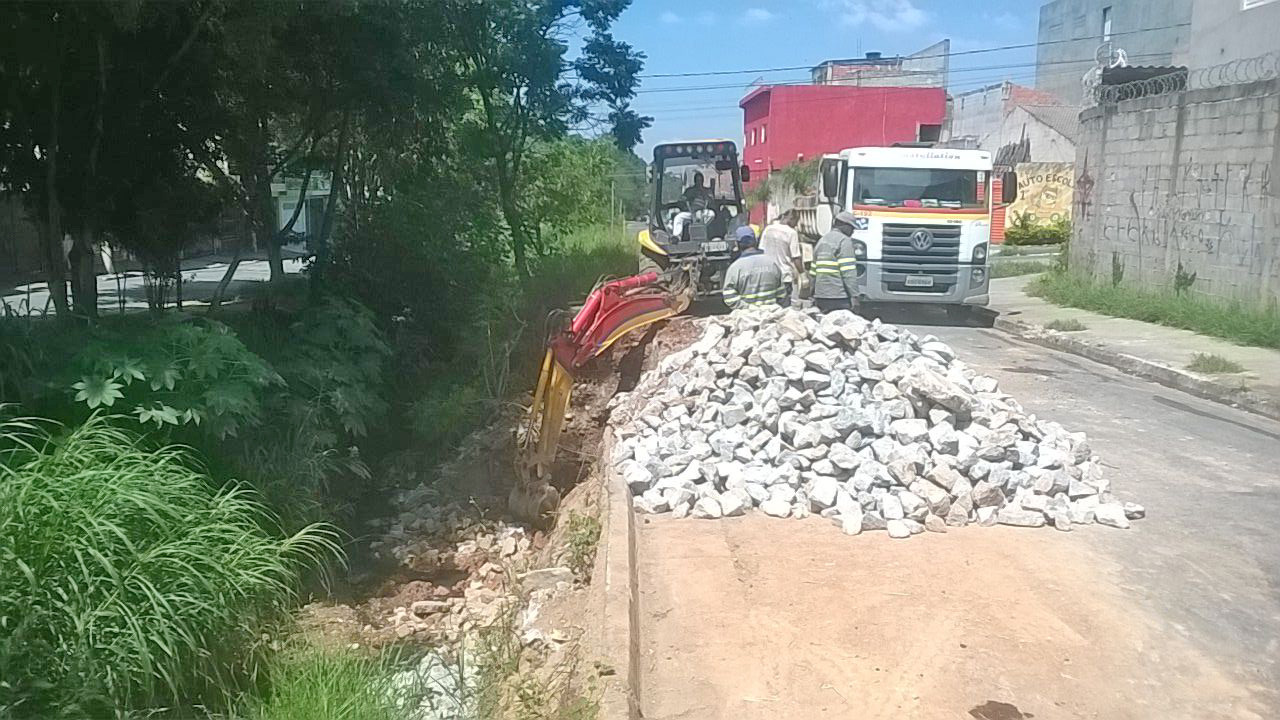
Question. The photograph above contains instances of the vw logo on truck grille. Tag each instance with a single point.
(921, 240)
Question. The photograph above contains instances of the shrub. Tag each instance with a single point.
(173, 372)
(1213, 364)
(129, 582)
(1023, 231)
(1066, 325)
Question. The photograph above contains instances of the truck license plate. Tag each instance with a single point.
(715, 246)
(919, 281)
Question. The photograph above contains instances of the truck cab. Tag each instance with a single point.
(922, 221)
(697, 205)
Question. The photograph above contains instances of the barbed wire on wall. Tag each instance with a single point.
(1236, 72)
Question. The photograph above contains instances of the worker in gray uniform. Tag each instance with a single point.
(835, 267)
(754, 278)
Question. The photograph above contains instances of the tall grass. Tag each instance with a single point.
(1014, 268)
(506, 342)
(311, 683)
(1245, 324)
(128, 581)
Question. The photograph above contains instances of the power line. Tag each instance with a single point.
(680, 111)
(799, 82)
(1002, 48)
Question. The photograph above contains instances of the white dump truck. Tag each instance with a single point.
(923, 221)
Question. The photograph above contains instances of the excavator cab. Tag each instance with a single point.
(697, 205)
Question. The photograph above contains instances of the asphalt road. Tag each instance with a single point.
(1207, 558)
(1178, 617)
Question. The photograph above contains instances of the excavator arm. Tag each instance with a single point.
(612, 310)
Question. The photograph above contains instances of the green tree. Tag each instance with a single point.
(91, 95)
(527, 91)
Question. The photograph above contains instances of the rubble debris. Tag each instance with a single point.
(793, 413)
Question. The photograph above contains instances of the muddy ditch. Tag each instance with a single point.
(450, 582)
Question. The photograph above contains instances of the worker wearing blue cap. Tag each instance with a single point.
(754, 278)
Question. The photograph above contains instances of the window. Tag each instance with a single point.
(929, 133)
(1106, 23)
(762, 129)
(917, 187)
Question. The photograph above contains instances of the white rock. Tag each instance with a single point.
(822, 493)
(1112, 515)
(707, 508)
(891, 508)
(793, 368)
(545, 578)
(851, 523)
(732, 504)
(776, 507)
(898, 529)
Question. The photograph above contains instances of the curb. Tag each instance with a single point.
(619, 620)
(1132, 365)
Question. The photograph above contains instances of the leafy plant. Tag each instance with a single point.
(333, 365)
(1117, 270)
(131, 582)
(1025, 230)
(1182, 280)
(582, 537)
(175, 373)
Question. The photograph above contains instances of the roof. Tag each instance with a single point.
(833, 91)
(1062, 119)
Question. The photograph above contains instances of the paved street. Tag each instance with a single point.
(1178, 617)
(199, 279)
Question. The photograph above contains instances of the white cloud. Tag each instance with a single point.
(669, 18)
(884, 15)
(758, 15)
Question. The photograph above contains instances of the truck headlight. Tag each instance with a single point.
(979, 276)
(980, 253)
(859, 250)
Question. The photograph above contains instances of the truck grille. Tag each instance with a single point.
(899, 259)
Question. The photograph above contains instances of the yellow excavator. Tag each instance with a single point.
(697, 205)
(613, 309)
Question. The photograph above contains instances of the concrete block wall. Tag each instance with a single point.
(1186, 178)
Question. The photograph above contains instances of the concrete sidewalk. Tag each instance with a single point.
(1154, 351)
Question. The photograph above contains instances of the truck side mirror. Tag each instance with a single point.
(831, 179)
(746, 173)
(1009, 192)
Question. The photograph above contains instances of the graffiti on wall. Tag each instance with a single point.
(1218, 211)
(1045, 192)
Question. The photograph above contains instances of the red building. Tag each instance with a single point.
(785, 123)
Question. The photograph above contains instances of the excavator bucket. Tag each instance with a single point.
(612, 311)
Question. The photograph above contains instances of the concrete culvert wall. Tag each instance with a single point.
(793, 413)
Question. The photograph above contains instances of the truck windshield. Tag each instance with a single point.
(919, 187)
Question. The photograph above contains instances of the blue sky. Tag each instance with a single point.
(721, 35)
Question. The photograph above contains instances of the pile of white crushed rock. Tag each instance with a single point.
(865, 423)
